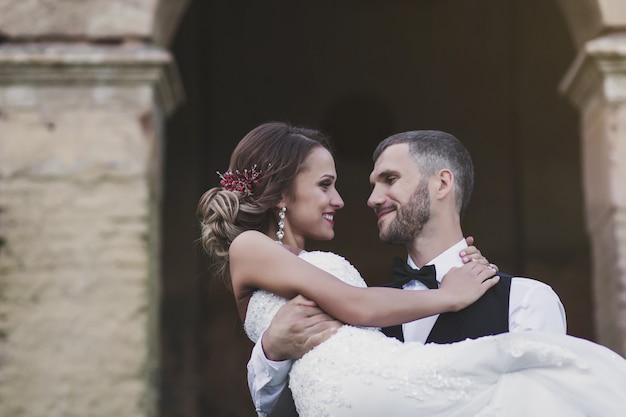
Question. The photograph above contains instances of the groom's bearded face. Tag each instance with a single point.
(410, 218)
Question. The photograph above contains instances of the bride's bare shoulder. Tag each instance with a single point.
(248, 240)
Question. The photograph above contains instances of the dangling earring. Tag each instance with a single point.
(281, 225)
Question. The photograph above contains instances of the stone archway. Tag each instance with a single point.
(85, 88)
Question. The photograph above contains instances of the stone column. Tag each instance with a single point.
(80, 143)
(596, 83)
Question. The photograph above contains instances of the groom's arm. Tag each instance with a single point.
(296, 328)
(535, 306)
(266, 380)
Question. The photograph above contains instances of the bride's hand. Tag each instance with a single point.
(468, 283)
(472, 254)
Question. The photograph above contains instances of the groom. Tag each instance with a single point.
(422, 181)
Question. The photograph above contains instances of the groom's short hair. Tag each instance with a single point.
(433, 150)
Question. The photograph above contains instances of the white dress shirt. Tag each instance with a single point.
(266, 379)
(533, 305)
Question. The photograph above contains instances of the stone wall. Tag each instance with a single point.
(80, 151)
(71, 19)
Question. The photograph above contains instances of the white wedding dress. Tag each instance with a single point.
(359, 372)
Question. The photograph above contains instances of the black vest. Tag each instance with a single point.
(487, 316)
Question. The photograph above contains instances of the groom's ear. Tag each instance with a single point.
(444, 183)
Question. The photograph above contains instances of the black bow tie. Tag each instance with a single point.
(403, 273)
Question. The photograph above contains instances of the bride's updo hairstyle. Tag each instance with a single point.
(275, 150)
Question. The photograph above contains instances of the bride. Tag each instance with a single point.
(280, 188)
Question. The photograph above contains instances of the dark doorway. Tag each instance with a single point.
(484, 70)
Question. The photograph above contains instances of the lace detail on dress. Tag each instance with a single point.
(327, 377)
(335, 265)
(263, 305)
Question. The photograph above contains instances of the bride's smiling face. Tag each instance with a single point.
(313, 201)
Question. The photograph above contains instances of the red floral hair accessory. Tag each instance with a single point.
(240, 181)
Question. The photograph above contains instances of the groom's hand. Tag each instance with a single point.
(297, 327)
